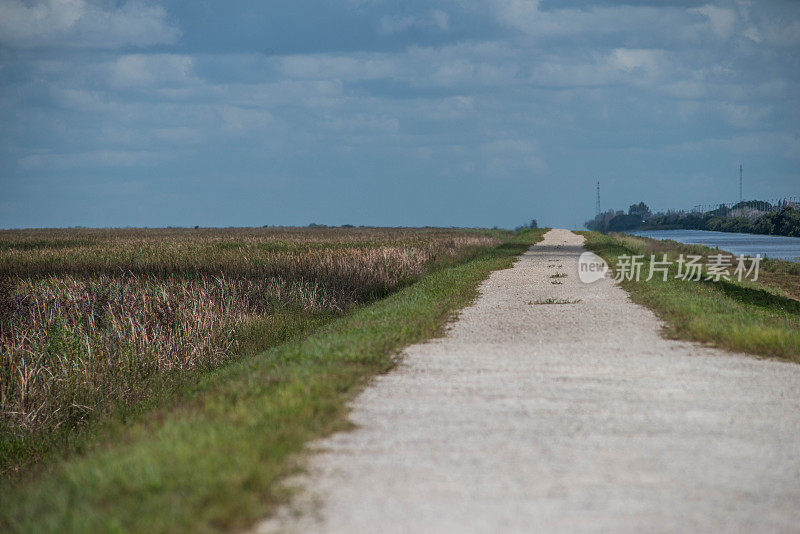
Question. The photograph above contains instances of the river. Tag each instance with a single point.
(771, 246)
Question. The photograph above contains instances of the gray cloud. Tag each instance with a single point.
(83, 23)
(516, 95)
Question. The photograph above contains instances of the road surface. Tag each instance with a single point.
(561, 418)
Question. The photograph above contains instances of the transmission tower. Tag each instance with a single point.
(740, 183)
(597, 203)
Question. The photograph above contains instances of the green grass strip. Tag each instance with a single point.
(747, 316)
(215, 461)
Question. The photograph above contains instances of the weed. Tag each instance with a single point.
(553, 300)
(761, 318)
(211, 456)
(90, 319)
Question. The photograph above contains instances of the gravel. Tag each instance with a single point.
(560, 418)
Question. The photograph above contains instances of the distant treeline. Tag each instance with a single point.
(745, 217)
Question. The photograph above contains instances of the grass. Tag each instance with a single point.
(761, 318)
(212, 457)
(95, 321)
(553, 300)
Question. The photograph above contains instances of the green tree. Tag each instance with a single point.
(640, 210)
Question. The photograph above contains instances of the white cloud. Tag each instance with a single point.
(391, 25)
(241, 120)
(511, 88)
(489, 102)
(179, 134)
(781, 32)
(627, 59)
(463, 64)
(22, 24)
(517, 13)
(440, 19)
(785, 144)
(722, 21)
(743, 116)
(83, 100)
(83, 23)
(350, 68)
(456, 107)
(526, 15)
(364, 123)
(139, 70)
(91, 159)
(434, 19)
(664, 27)
(753, 34)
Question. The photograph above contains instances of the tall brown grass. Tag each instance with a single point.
(89, 317)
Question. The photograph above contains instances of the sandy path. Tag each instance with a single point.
(561, 418)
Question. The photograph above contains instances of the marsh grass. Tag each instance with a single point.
(761, 318)
(553, 300)
(214, 459)
(94, 319)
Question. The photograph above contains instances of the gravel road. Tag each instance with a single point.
(561, 418)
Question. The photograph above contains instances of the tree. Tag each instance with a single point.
(531, 224)
(640, 210)
(624, 222)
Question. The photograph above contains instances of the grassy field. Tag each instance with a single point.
(761, 318)
(91, 320)
(197, 439)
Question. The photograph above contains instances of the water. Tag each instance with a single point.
(771, 246)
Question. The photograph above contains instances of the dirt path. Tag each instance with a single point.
(561, 418)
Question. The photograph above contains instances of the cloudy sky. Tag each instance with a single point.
(378, 112)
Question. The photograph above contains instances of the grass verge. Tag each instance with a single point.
(761, 318)
(213, 461)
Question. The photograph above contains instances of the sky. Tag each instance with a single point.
(377, 112)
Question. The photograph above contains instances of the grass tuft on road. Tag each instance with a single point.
(214, 461)
(761, 318)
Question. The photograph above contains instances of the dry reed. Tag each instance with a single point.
(89, 317)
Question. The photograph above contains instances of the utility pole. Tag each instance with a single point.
(740, 183)
(597, 203)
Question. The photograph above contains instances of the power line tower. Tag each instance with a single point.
(597, 203)
(740, 183)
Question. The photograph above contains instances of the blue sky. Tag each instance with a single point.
(443, 112)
